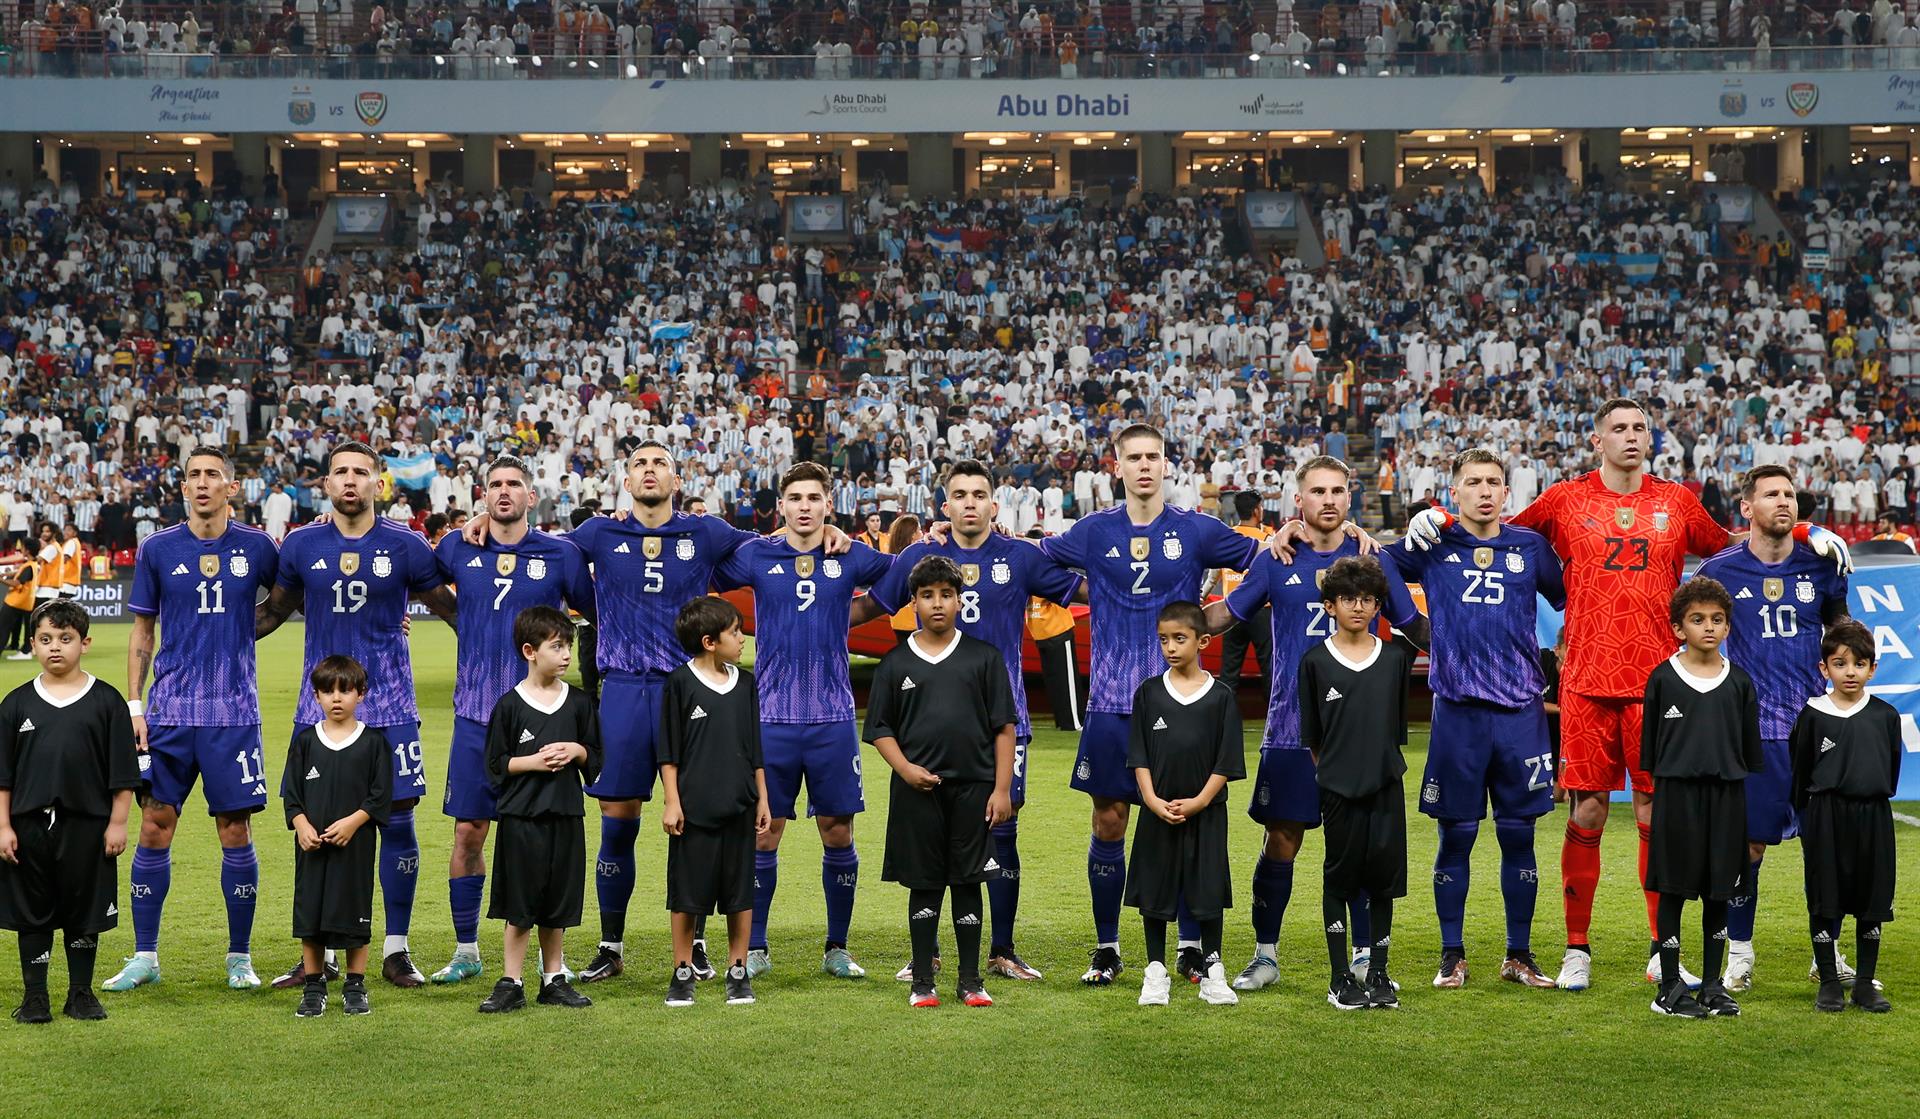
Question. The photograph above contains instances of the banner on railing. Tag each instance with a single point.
(1209, 98)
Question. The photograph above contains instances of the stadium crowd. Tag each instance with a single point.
(1020, 332)
(974, 38)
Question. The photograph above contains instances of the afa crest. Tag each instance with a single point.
(1002, 574)
(382, 565)
(830, 567)
(238, 564)
(1170, 547)
(1516, 562)
(536, 568)
(1803, 591)
(1660, 521)
(683, 549)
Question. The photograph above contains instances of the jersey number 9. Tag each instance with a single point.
(805, 591)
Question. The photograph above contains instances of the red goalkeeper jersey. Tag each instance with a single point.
(1623, 554)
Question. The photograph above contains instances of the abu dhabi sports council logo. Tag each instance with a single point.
(1264, 106)
(850, 104)
(371, 106)
(1802, 97)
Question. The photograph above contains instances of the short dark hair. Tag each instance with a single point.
(339, 673)
(1354, 577)
(1183, 613)
(646, 444)
(1852, 636)
(209, 450)
(1699, 589)
(509, 462)
(806, 472)
(1139, 431)
(1246, 503)
(60, 613)
(701, 618)
(537, 625)
(352, 447)
(434, 523)
(1613, 404)
(1322, 462)
(967, 468)
(1478, 456)
(934, 571)
(1750, 481)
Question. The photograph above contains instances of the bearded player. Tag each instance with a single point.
(1624, 536)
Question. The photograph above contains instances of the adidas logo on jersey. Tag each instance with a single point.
(26, 725)
(924, 915)
(623, 550)
(907, 684)
(1827, 744)
(475, 562)
(1452, 557)
(1745, 592)
(971, 920)
(313, 773)
(1671, 942)
(1333, 694)
(991, 865)
(180, 570)
(1113, 553)
(260, 790)
(698, 713)
(1159, 724)
(1337, 926)
(1672, 713)
(318, 565)
(777, 569)
(1293, 580)
(526, 735)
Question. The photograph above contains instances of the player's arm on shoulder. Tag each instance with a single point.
(274, 609)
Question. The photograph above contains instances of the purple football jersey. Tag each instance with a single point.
(491, 586)
(1482, 597)
(203, 593)
(1002, 577)
(353, 595)
(1133, 571)
(800, 603)
(1300, 622)
(1780, 611)
(642, 577)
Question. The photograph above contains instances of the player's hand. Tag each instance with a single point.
(1368, 545)
(999, 809)
(556, 756)
(1825, 543)
(140, 733)
(406, 625)
(622, 514)
(321, 519)
(305, 836)
(1424, 530)
(762, 819)
(838, 543)
(937, 533)
(9, 843)
(920, 778)
(1280, 544)
(672, 820)
(116, 839)
(476, 531)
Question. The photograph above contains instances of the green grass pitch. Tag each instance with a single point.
(815, 1045)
